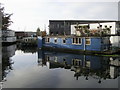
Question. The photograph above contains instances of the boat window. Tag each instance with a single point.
(80, 41)
(88, 41)
(47, 39)
(64, 40)
(55, 40)
(77, 41)
(73, 41)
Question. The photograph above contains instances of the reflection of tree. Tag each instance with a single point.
(6, 66)
(100, 74)
(26, 49)
(7, 53)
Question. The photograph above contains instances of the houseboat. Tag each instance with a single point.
(29, 41)
(8, 37)
(82, 40)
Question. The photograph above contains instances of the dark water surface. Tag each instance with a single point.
(32, 68)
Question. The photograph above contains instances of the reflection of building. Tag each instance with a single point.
(114, 70)
(41, 58)
(83, 65)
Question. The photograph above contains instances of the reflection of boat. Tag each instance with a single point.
(97, 67)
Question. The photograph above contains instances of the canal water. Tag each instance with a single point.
(27, 67)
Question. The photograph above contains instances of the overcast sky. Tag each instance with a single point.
(28, 15)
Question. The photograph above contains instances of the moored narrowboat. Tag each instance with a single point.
(83, 40)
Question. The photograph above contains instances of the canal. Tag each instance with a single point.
(27, 67)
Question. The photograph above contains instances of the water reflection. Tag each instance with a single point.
(31, 72)
(98, 67)
(6, 53)
(26, 49)
(0, 64)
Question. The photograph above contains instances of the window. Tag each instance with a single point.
(51, 33)
(77, 41)
(73, 41)
(57, 33)
(47, 40)
(55, 40)
(58, 26)
(80, 41)
(64, 40)
(87, 41)
(52, 26)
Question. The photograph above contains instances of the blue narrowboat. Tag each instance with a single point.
(75, 43)
(83, 41)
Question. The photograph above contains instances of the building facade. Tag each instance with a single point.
(63, 27)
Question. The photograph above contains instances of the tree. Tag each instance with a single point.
(38, 33)
(6, 21)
